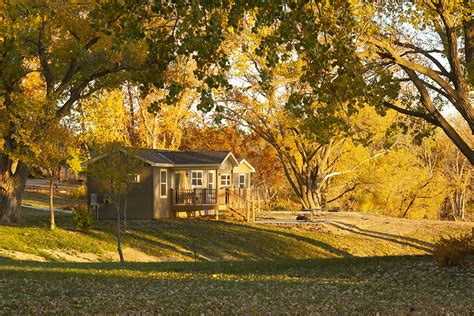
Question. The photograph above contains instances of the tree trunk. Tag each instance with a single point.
(458, 203)
(13, 183)
(51, 202)
(131, 124)
(309, 200)
(125, 214)
(469, 43)
(119, 237)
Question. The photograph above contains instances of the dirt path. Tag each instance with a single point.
(363, 223)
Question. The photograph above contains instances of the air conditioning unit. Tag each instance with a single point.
(93, 199)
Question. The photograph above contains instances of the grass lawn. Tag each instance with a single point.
(344, 263)
(390, 285)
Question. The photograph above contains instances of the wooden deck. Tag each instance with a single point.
(235, 200)
(197, 199)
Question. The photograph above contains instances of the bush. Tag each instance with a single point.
(452, 251)
(79, 193)
(82, 217)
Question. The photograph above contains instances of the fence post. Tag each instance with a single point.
(253, 211)
(194, 196)
(258, 199)
(247, 211)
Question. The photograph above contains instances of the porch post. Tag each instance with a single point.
(173, 197)
(247, 211)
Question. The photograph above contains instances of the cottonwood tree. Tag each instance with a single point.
(102, 119)
(309, 164)
(426, 180)
(309, 155)
(414, 57)
(164, 112)
(427, 46)
(150, 119)
(45, 144)
(114, 173)
(74, 54)
(456, 171)
(308, 126)
(79, 48)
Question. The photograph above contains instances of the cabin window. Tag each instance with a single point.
(134, 178)
(196, 178)
(225, 180)
(210, 180)
(163, 183)
(242, 180)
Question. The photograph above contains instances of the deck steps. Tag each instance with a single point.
(236, 214)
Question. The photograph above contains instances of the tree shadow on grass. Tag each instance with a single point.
(154, 247)
(215, 241)
(401, 240)
(212, 240)
(219, 239)
(237, 267)
(330, 249)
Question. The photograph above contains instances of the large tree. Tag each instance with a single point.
(79, 48)
(414, 57)
(297, 100)
(162, 119)
(428, 46)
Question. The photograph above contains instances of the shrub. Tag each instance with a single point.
(82, 217)
(79, 193)
(452, 251)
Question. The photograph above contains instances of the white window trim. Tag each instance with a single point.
(202, 178)
(245, 180)
(165, 183)
(228, 180)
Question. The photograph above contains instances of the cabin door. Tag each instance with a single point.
(180, 180)
(210, 180)
(211, 193)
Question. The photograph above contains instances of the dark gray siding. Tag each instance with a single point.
(140, 198)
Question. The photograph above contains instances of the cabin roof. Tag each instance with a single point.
(183, 157)
(170, 158)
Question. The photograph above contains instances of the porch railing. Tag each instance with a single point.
(195, 196)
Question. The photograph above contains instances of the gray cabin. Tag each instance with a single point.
(179, 183)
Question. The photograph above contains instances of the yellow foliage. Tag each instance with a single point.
(104, 119)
